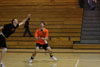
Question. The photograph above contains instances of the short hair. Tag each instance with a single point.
(12, 21)
(42, 22)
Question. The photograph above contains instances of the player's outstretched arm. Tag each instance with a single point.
(23, 22)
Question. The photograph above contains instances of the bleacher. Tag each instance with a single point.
(63, 18)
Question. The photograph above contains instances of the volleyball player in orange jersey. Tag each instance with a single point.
(41, 36)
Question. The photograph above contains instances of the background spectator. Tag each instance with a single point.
(26, 26)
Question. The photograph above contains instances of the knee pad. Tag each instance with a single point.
(49, 48)
(37, 49)
(5, 49)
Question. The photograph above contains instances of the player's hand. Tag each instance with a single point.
(29, 15)
(95, 1)
(42, 38)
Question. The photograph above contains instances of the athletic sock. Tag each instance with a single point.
(51, 55)
(32, 57)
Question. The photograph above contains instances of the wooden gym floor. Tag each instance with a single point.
(66, 58)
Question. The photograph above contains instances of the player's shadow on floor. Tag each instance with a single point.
(27, 64)
(41, 60)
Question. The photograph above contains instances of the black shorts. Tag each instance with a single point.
(2, 42)
(43, 46)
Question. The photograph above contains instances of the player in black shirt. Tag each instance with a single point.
(7, 30)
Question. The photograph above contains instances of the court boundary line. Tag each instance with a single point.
(76, 65)
(53, 52)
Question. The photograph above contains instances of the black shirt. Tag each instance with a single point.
(9, 29)
(27, 23)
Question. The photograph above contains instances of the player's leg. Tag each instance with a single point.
(46, 47)
(28, 30)
(2, 56)
(34, 54)
(25, 32)
(2, 44)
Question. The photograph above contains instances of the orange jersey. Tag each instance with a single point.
(41, 34)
